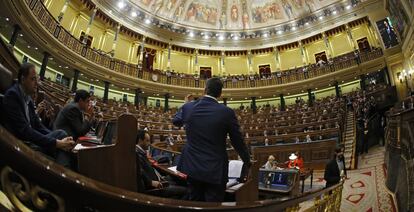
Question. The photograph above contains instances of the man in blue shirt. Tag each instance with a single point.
(204, 157)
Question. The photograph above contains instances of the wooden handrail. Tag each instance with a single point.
(78, 191)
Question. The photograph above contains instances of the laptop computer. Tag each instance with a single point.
(278, 180)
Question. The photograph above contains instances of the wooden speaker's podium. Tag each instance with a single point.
(113, 164)
(247, 191)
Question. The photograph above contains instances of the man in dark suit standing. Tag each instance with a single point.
(22, 121)
(72, 119)
(204, 156)
(335, 170)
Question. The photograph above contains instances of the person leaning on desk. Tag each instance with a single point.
(204, 157)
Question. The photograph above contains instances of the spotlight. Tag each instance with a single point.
(320, 17)
(191, 34)
(334, 12)
(221, 37)
(348, 7)
(265, 35)
(121, 4)
(134, 14)
(293, 28)
(279, 32)
(147, 21)
(7, 19)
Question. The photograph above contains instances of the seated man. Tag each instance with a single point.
(71, 118)
(22, 121)
(335, 170)
(170, 140)
(149, 178)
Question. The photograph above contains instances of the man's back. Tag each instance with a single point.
(70, 119)
(204, 156)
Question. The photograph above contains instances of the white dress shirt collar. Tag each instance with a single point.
(212, 97)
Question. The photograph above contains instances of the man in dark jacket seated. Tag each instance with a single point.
(335, 170)
(71, 118)
(148, 178)
(23, 122)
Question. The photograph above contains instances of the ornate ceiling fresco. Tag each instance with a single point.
(230, 24)
(231, 14)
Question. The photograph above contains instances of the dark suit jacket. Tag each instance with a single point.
(17, 123)
(204, 156)
(147, 171)
(332, 175)
(70, 119)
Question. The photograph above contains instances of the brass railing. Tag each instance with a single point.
(104, 60)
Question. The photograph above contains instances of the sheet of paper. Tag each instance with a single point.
(173, 168)
(235, 168)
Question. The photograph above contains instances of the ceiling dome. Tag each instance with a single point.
(230, 14)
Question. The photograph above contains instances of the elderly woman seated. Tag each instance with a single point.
(271, 163)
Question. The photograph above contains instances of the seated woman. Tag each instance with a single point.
(295, 162)
(271, 163)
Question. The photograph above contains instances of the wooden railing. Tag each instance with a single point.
(31, 181)
(399, 154)
(106, 61)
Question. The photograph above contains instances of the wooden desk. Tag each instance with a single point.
(113, 164)
(304, 174)
(315, 154)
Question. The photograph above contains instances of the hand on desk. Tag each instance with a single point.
(65, 144)
(157, 184)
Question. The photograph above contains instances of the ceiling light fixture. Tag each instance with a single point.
(265, 35)
(134, 14)
(221, 37)
(121, 4)
(279, 32)
(191, 34)
(348, 7)
(147, 21)
(320, 17)
(7, 19)
(334, 12)
(293, 28)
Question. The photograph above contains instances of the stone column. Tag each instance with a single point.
(75, 80)
(282, 102)
(118, 27)
(62, 12)
(138, 92)
(16, 31)
(254, 108)
(106, 92)
(88, 28)
(44, 65)
(166, 100)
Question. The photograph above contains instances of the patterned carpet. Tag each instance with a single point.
(364, 189)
